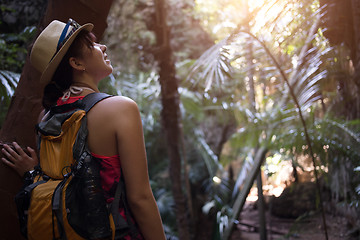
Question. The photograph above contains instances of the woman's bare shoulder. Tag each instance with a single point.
(116, 105)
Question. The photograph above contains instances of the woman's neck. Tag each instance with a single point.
(86, 86)
(83, 81)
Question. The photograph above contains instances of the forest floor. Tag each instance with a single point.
(309, 227)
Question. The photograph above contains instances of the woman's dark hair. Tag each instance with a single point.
(62, 78)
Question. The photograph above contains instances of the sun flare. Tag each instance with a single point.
(268, 10)
(220, 15)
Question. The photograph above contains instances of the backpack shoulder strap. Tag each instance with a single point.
(93, 98)
(80, 148)
(58, 114)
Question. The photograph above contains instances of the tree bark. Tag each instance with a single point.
(356, 29)
(241, 197)
(342, 21)
(170, 115)
(25, 105)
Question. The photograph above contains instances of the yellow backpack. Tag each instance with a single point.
(65, 199)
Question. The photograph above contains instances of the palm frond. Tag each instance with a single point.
(354, 135)
(213, 66)
(245, 169)
(211, 160)
(9, 81)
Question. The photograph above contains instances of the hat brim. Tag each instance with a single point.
(54, 63)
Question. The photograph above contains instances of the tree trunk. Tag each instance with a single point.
(170, 115)
(342, 20)
(261, 207)
(356, 29)
(26, 103)
(241, 197)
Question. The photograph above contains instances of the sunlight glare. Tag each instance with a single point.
(216, 180)
(269, 10)
(222, 17)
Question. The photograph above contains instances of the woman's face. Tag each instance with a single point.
(96, 62)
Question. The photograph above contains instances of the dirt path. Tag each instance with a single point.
(309, 227)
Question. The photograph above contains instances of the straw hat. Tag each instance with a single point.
(52, 44)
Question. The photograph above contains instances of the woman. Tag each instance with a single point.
(72, 65)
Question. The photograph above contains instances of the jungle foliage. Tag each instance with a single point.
(18, 20)
(219, 126)
(243, 80)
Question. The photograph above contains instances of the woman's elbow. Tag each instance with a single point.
(137, 201)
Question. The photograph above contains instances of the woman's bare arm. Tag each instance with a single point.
(129, 135)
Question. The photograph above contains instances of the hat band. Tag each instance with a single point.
(64, 37)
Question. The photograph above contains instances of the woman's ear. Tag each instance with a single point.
(76, 63)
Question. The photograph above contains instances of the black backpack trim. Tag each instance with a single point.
(22, 201)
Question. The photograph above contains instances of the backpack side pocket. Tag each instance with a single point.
(22, 201)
